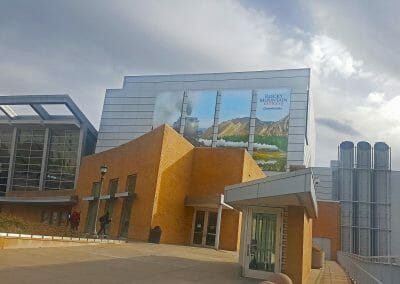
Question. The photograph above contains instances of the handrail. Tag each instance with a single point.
(357, 273)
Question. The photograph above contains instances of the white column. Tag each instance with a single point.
(218, 226)
(216, 118)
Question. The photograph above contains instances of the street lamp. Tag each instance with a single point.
(103, 171)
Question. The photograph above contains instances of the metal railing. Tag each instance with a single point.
(370, 270)
(60, 238)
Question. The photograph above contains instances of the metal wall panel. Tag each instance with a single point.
(131, 108)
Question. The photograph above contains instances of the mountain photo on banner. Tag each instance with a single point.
(271, 129)
(234, 119)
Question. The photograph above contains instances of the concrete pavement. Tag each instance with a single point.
(120, 263)
(334, 274)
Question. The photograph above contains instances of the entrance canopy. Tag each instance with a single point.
(213, 201)
(288, 189)
(43, 200)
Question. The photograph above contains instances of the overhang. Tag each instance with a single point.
(48, 200)
(288, 189)
(213, 201)
(124, 194)
(36, 102)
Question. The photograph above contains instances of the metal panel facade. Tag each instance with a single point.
(128, 112)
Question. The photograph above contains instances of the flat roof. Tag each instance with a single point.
(288, 189)
(262, 74)
(35, 111)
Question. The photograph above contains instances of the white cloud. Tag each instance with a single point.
(375, 98)
(328, 56)
(84, 50)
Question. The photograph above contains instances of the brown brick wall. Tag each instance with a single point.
(327, 225)
(33, 213)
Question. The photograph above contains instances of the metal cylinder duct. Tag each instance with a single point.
(362, 194)
(346, 154)
(363, 155)
(381, 156)
(381, 199)
(345, 192)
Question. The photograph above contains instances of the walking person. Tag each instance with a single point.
(73, 220)
(104, 221)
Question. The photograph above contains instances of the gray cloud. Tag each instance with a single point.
(83, 47)
(369, 29)
(338, 126)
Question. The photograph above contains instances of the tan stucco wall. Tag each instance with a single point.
(251, 171)
(140, 157)
(168, 170)
(299, 245)
(213, 170)
(327, 225)
(170, 212)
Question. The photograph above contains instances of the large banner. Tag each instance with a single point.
(234, 119)
(168, 109)
(271, 129)
(200, 117)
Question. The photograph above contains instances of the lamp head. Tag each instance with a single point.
(103, 170)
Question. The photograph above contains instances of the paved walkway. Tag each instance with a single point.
(120, 263)
(334, 274)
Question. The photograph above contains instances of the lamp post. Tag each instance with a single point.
(103, 171)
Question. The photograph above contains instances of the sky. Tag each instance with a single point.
(84, 47)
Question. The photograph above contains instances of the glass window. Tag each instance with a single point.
(28, 161)
(263, 242)
(113, 187)
(272, 128)
(62, 159)
(200, 112)
(96, 189)
(168, 109)
(45, 219)
(131, 184)
(234, 118)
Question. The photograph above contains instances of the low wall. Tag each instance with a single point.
(363, 271)
(17, 241)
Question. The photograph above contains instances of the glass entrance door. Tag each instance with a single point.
(205, 228)
(263, 242)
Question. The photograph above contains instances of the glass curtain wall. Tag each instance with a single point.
(28, 159)
(62, 159)
(5, 146)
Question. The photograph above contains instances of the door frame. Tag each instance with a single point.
(205, 225)
(258, 274)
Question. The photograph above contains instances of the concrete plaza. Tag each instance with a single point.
(124, 263)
